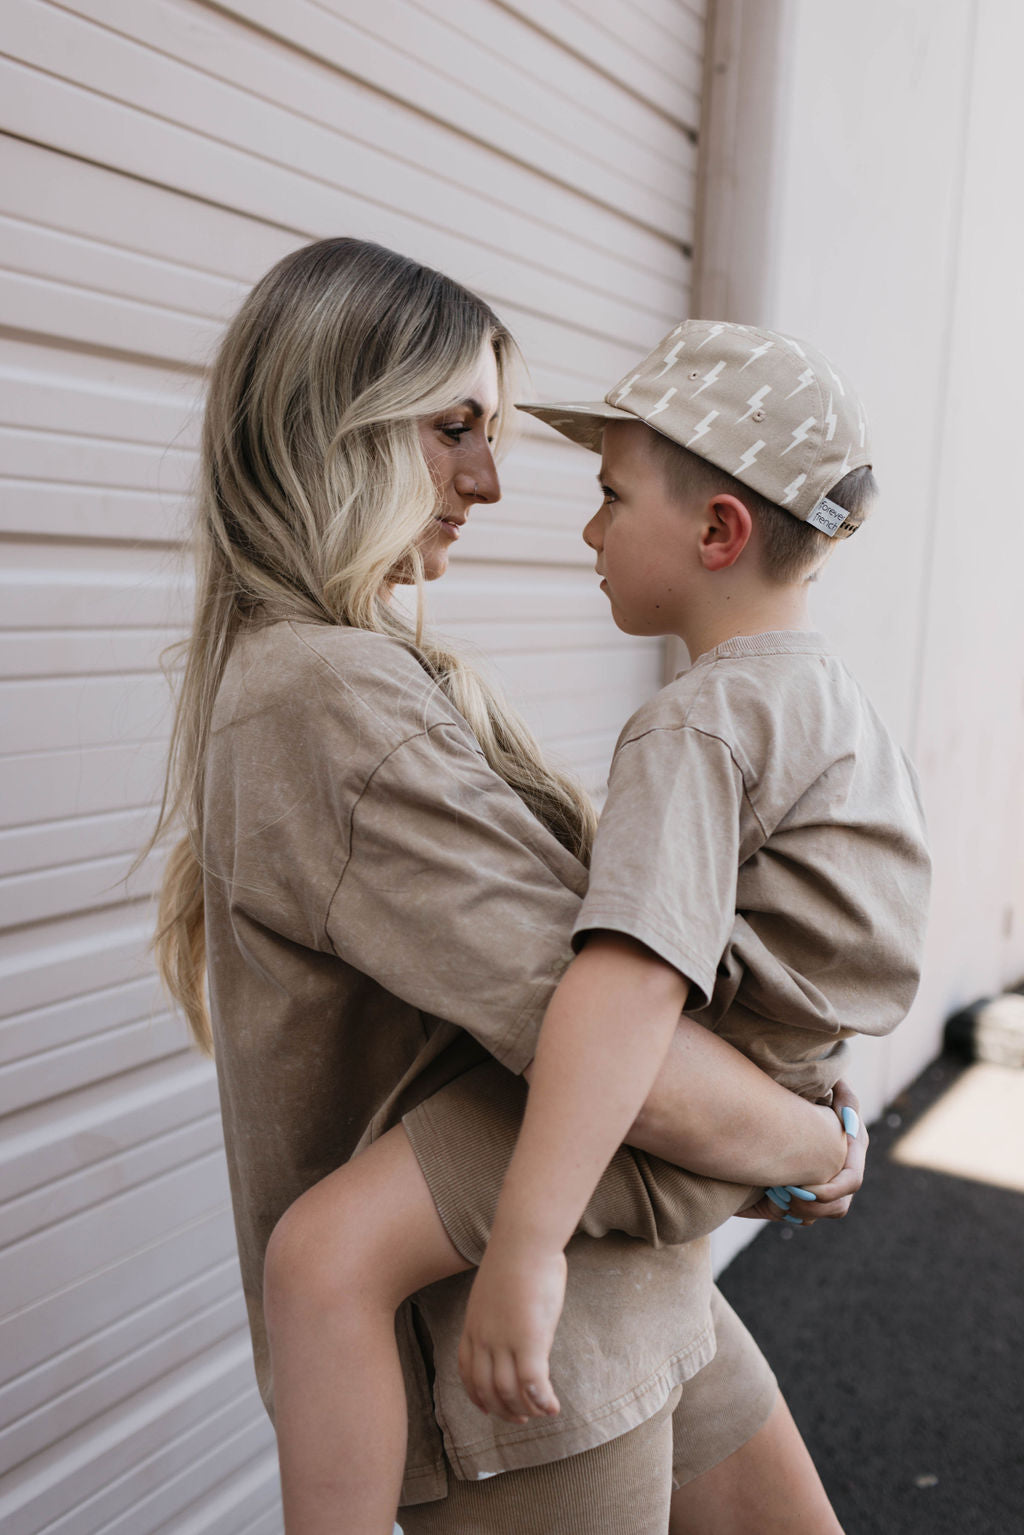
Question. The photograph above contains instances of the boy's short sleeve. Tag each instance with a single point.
(668, 848)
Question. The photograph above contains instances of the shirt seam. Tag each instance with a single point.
(511, 1053)
(416, 736)
(326, 664)
(709, 735)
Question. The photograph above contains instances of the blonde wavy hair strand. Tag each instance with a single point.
(312, 494)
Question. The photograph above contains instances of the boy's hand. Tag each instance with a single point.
(513, 1310)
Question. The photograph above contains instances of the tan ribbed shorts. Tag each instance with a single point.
(623, 1487)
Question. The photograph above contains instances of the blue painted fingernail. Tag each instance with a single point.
(778, 1197)
(851, 1124)
(794, 1220)
(799, 1192)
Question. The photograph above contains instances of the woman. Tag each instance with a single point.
(380, 874)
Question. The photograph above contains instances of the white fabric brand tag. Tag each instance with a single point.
(828, 517)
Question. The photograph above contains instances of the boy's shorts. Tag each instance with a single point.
(463, 1138)
(623, 1487)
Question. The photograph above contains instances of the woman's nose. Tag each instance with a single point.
(480, 483)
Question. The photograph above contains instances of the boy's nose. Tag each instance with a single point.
(591, 536)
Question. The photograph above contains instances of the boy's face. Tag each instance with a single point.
(645, 538)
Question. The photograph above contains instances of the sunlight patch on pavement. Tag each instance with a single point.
(976, 1130)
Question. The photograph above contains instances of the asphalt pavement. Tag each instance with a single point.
(897, 1336)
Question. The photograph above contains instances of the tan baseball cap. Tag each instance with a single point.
(771, 411)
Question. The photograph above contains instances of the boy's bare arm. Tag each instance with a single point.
(712, 1111)
(605, 1034)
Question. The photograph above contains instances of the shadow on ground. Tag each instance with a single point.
(897, 1336)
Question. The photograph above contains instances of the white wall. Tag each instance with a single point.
(159, 155)
(886, 225)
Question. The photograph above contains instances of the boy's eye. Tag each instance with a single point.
(607, 494)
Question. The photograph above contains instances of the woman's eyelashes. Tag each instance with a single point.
(456, 430)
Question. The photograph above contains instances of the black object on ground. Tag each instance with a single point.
(897, 1336)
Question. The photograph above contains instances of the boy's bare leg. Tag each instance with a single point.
(767, 1487)
(339, 1264)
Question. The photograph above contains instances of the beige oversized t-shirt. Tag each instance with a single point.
(383, 914)
(763, 833)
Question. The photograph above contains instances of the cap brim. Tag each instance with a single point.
(581, 421)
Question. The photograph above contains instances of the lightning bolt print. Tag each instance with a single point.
(709, 379)
(716, 330)
(670, 358)
(662, 403)
(837, 381)
(791, 489)
(627, 386)
(830, 421)
(702, 427)
(758, 351)
(799, 434)
(802, 382)
(795, 346)
(754, 401)
(748, 457)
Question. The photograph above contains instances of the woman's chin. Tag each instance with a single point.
(435, 563)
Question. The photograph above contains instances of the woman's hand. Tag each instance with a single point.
(511, 1317)
(802, 1206)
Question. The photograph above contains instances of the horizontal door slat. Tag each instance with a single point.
(61, 1394)
(46, 786)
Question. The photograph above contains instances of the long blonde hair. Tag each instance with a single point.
(313, 491)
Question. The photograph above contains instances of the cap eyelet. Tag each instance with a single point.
(758, 415)
(695, 374)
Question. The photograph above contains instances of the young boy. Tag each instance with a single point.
(760, 863)
(761, 853)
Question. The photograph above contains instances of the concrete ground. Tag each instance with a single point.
(898, 1334)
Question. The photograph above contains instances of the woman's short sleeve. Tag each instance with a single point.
(351, 810)
(454, 897)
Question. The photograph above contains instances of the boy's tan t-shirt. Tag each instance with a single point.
(764, 834)
(383, 915)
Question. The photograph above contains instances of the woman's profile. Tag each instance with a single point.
(377, 878)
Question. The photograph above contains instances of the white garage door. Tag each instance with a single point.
(159, 155)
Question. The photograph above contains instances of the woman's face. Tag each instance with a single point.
(456, 444)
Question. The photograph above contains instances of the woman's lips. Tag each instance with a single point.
(452, 529)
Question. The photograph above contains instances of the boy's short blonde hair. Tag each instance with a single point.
(792, 551)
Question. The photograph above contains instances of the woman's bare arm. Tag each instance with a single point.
(713, 1111)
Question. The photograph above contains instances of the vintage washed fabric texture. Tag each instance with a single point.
(764, 834)
(384, 914)
(387, 922)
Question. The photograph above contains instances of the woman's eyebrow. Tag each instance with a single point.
(476, 408)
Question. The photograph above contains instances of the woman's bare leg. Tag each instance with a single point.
(339, 1263)
(767, 1487)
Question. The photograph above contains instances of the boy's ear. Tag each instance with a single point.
(725, 532)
